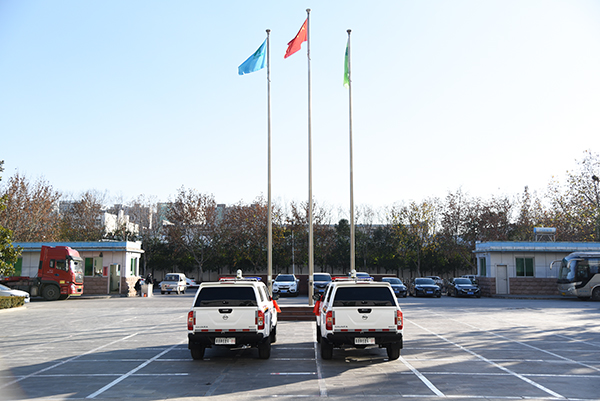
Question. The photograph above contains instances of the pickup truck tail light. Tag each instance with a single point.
(399, 320)
(329, 320)
(191, 320)
(260, 320)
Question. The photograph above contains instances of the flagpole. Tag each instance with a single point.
(269, 212)
(311, 262)
(352, 251)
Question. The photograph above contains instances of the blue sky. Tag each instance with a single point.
(143, 97)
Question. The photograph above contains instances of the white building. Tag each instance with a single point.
(523, 267)
(110, 267)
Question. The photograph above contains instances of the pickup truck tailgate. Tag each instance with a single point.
(225, 319)
(367, 318)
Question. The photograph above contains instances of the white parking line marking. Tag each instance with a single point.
(320, 380)
(130, 373)
(421, 377)
(525, 379)
(68, 360)
(292, 373)
(530, 346)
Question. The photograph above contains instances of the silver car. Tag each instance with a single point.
(9, 292)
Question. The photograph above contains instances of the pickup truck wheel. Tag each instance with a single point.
(326, 350)
(264, 350)
(197, 353)
(51, 293)
(393, 352)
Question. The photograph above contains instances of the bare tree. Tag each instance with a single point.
(143, 212)
(575, 207)
(192, 219)
(80, 220)
(30, 210)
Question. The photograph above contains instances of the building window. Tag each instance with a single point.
(133, 267)
(98, 267)
(482, 268)
(524, 267)
(89, 267)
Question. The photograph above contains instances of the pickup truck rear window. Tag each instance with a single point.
(363, 296)
(230, 296)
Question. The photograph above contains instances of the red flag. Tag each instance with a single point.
(316, 310)
(296, 43)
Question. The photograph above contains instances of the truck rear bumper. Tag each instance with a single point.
(381, 338)
(196, 340)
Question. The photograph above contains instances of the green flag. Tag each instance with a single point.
(347, 66)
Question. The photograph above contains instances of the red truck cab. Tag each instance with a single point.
(61, 267)
(59, 275)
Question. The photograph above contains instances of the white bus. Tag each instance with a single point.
(579, 276)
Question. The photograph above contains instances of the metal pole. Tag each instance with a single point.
(352, 251)
(269, 217)
(311, 262)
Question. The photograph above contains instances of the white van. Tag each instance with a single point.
(174, 282)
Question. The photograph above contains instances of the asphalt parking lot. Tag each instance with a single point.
(117, 348)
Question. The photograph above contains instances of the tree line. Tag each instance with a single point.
(193, 234)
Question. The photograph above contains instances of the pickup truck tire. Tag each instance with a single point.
(393, 351)
(197, 353)
(318, 334)
(326, 350)
(264, 349)
(51, 293)
(274, 334)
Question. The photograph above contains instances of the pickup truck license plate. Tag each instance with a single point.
(225, 340)
(364, 340)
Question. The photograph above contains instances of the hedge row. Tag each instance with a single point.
(11, 302)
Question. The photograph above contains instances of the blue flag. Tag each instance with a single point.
(256, 61)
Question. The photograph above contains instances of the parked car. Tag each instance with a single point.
(173, 282)
(286, 284)
(471, 277)
(398, 286)
(191, 283)
(360, 275)
(320, 281)
(9, 292)
(437, 279)
(463, 287)
(424, 286)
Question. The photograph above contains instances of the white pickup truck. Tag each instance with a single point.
(359, 313)
(233, 312)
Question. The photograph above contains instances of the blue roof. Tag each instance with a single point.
(100, 246)
(511, 246)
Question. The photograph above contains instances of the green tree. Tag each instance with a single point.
(8, 253)
(416, 227)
